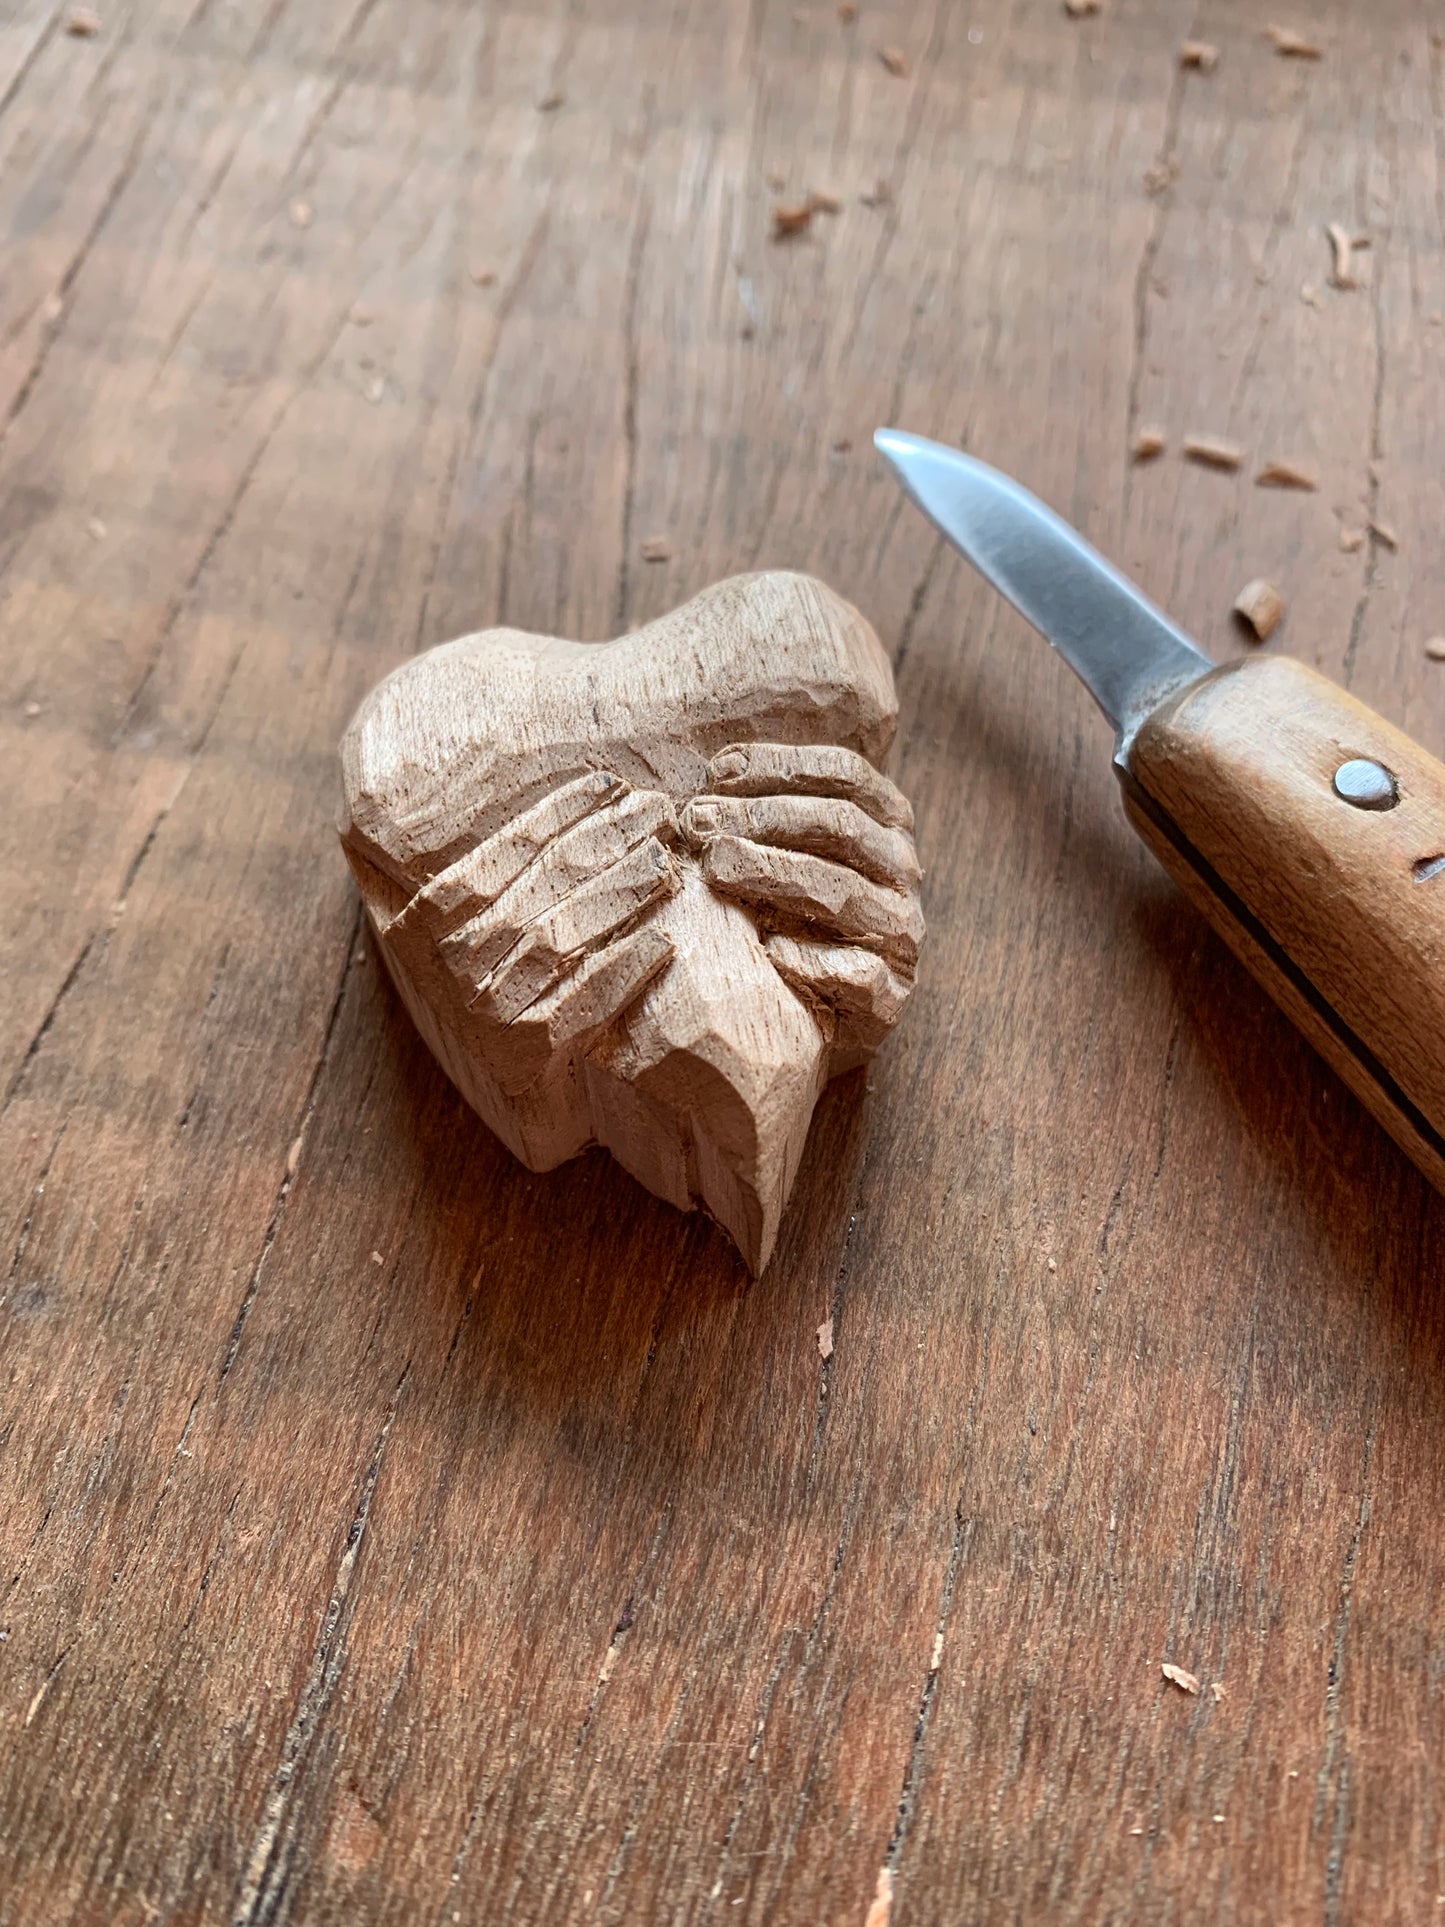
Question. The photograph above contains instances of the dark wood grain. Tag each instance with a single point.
(390, 1535)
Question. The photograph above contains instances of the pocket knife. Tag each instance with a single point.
(1308, 830)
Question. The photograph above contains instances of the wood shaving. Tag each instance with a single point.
(377, 1259)
(32, 710)
(1212, 454)
(1284, 475)
(825, 1339)
(1309, 295)
(96, 529)
(376, 390)
(791, 218)
(895, 60)
(549, 103)
(1147, 444)
(1352, 539)
(83, 23)
(824, 203)
(53, 307)
(1292, 45)
(1199, 53)
(880, 1909)
(1434, 649)
(656, 548)
(1342, 275)
(1260, 605)
(484, 277)
(1382, 532)
(302, 214)
(1217, 1689)
(1081, 9)
(937, 1659)
(1177, 1676)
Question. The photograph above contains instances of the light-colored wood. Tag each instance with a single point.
(650, 893)
(1349, 902)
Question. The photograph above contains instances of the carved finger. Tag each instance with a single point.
(576, 1011)
(810, 769)
(576, 857)
(586, 822)
(856, 987)
(811, 890)
(579, 923)
(820, 825)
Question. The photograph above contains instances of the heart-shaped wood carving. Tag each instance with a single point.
(649, 893)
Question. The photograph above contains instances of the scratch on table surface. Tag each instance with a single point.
(123, 177)
(1334, 1803)
(266, 1862)
(1153, 239)
(1372, 470)
(32, 1049)
(913, 1770)
(43, 1688)
(293, 1156)
(30, 56)
(632, 286)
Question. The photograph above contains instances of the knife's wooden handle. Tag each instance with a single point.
(1337, 908)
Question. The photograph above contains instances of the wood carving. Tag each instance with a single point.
(651, 893)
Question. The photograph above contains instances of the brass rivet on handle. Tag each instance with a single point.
(1366, 784)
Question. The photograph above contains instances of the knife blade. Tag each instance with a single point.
(1307, 829)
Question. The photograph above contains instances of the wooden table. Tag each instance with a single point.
(388, 1534)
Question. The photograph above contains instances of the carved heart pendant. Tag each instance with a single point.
(649, 893)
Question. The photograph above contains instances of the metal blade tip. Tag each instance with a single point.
(1128, 655)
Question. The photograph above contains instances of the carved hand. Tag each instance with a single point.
(653, 892)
